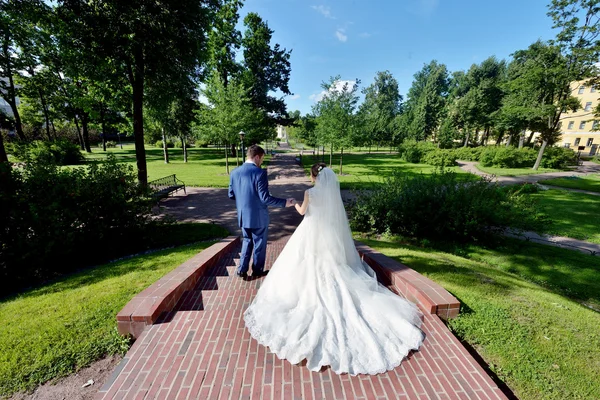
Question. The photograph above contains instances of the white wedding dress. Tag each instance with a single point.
(321, 303)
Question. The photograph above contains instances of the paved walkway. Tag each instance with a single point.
(201, 350)
(586, 168)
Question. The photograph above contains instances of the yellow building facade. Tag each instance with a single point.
(578, 128)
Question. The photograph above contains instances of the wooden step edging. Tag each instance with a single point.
(146, 307)
(428, 295)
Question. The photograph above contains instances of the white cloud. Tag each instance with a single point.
(339, 86)
(295, 97)
(323, 10)
(341, 35)
(365, 35)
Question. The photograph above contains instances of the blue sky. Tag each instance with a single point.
(357, 38)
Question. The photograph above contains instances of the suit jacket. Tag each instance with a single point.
(249, 187)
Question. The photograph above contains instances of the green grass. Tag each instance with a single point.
(590, 183)
(205, 166)
(521, 309)
(574, 215)
(54, 330)
(361, 171)
(514, 171)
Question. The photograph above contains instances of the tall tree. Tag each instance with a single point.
(266, 70)
(380, 107)
(147, 42)
(335, 115)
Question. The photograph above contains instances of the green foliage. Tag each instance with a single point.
(179, 145)
(589, 182)
(413, 152)
(59, 152)
(510, 157)
(63, 326)
(469, 153)
(54, 220)
(170, 144)
(440, 206)
(440, 158)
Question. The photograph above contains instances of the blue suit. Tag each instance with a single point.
(249, 187)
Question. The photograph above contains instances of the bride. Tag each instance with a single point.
(322, 304)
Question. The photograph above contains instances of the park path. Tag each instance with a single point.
(201, 349)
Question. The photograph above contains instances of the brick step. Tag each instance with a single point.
(223, 299)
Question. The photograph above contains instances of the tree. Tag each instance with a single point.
(426, 101)
(146, 42)
(380, 108)
(266, 70)
(230, 111)
(335, 115)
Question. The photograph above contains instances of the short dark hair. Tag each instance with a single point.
(254, 151)
(314, 170)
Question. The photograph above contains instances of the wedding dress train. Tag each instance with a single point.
(321, 303)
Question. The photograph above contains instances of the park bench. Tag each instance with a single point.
(163, 187)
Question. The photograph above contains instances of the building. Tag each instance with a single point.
(579, 128)
(282, 133)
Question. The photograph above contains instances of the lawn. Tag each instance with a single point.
(364, 170)
(205, 166)
(522, 310)
(574, 215)
(514, 171)
(54, 330)
(590, 183)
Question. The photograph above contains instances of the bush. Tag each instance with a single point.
(508, 157)
(55, 220)
(159, 144)
(469, 153)
(440, 158)
(558, 157)
(441, 207)
(187, 144)
(413, 152)
(59, 152)
(111, 144)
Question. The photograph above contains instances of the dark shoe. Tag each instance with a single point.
(243, 275)
(259, 273)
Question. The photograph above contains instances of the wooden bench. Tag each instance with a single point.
(163, 187)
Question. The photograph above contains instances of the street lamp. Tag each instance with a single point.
(242, 134)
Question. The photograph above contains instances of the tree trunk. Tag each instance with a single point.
(233, 150)
(540, 155)
(509, 140)
(331, 155)
(467, 139)
(530, 138)
(165, 149)
(79, 135)
(45, 111)
(341, 160)
(11, 96)
(226, 159)
(103, 124)
(86, 135)
(323, 154)
(3, 155)
(521, 139)
(183, 145)
(500, 137)
(138, 113)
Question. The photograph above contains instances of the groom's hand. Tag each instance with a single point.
(290, 202)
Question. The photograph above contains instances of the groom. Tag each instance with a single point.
(249, 187)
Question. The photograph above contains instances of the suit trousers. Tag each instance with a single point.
(253, 239)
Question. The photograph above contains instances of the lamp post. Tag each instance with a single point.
(242, 134)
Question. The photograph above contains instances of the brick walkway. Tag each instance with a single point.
(202, 351)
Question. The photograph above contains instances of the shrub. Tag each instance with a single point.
(413, 152)
(59, 152)
(558, 157)
(507, 157)
(111, 144)
(441, 207)
(159, 144)
(55, 220)
(187, 144)
(440, 158)
(469, 153)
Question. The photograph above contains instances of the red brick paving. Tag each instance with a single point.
(203, 351)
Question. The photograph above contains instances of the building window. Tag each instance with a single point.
(577, 141)
(588, 106)
(581, 89)
(571, 125)
(595, 126)
(582, 125)
(589, 142)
